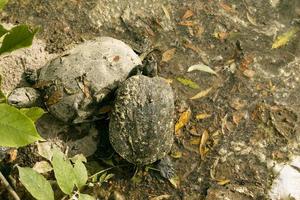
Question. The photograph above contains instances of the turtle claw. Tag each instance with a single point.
(166, 168)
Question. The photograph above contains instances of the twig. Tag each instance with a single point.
(8, 187)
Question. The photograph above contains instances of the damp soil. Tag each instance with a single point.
(253, 106)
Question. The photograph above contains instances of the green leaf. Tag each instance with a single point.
(18, 37)
(2, 4)
(63, 171)
(16, 129)
(188, 82)
(2, 30)
(85, 197)
(36, 184)
(80, 173)
(2, 95)
(33, 113)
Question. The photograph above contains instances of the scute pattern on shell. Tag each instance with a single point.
(80, 79)
(141, 124)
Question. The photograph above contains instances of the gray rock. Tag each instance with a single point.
(78, 81)
(141, 125)
(24, 97)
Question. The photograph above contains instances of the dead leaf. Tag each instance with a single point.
(202, 147)
(221, 35)
(161, 197)
(186, 23)
(249, 73)
(176, 154)
(175, 181)
(13, 153)
(223, 181)
(168, 80)
(195, 141)
(251, 20)
(226, 7)
(42, 167)
(168, 55)
(166, 12)
(183, 120)
(202, 67)
(201, 94)
(238, 103)
(188, 82)
(202, 116)
(284, 38)
(193, 131)
(237, 117)
(187, 14)
(192, 47)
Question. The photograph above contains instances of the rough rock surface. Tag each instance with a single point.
(24, 97)
(77, 81)
(141, 124)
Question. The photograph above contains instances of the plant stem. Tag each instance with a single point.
(107, 169)
(8, 187)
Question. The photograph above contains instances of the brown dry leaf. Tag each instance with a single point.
(249, 73)
(203, 116)
(187, 23)
(226, 7)
(176, 154)
(238, 103)
(55, 97)
(221, 35)
(183, 120)
(202, 147)
(201, 94)
(187, 14)
(237, 117)
(193, 131)
(168, 55)
(13, 153)
(223, 181)
(192, 47)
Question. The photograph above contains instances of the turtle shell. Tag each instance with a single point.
(141, 124)
(78, 81)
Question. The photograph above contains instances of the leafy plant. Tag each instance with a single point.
(68, 176)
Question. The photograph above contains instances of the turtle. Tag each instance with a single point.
(141, 126)
(76, 83)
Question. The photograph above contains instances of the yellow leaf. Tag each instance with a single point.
(203, 116)
(201, 94)
(285, 38)
(202, 147)
(168, 55)
(175, 181)
(176, 154)
(183, 120)
(188, 82)
(223, 181)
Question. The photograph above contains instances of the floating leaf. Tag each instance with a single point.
(18, 37)
(188, 82)
(36, 184)
(168, 55)
(202, 147)
(33, 113)
(3, 3)
(202, 116)
(201, 94)
(202, 67)
(85, 197)
(285, 38)
(16, 129)
(42, 167)
(187, 14)
(63, 171)
(183, 120)
(2, 30)
(80, 174)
